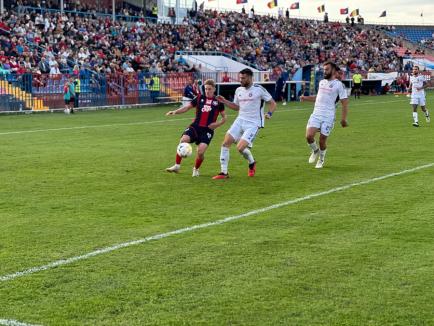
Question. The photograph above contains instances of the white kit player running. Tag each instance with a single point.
(322, 119)
(417, 86)
(249, 100)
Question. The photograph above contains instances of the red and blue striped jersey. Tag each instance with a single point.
(207, 110)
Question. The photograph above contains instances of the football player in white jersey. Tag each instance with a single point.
(323, 116)
(417, 86)
(249, 101)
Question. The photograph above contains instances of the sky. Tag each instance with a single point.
(401, 11)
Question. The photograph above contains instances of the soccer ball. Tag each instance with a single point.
(184, 150)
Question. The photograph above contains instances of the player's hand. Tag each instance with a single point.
(170, 113)
(344, 123)
(212, 126)
(220, 98)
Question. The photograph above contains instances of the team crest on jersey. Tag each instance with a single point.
(250, 94)
(215, 103)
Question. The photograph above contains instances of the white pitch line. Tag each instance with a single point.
(293, 109)
(10, 322)
(105, 250)
(90, 127)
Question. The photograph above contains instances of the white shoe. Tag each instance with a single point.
(319, 164)
(313, 156)
(284, 103)
(195, 172)
(174, 169)
(427, 118)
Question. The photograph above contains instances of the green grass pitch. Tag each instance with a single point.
(362, 256)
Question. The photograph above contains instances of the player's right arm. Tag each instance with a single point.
(180, 110)
(311, 98)
(229, 104)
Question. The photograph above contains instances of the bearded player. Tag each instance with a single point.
(249, 101)
(322, 119)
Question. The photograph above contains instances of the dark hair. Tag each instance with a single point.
(332, 64)
(247, 72)
(416, 67)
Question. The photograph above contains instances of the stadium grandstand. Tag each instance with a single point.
(135, 54)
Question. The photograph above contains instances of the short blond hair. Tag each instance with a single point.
(210, 82)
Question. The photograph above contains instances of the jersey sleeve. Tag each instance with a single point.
(236, 97)
(266, 96)
(342, 91)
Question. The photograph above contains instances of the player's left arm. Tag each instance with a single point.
(217, 124)
(266, 96)
(424, 85)
(344, 122)
(271, 108)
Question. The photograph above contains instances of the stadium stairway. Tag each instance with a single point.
(27, 100)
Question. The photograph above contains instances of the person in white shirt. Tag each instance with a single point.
(417, 86)
(249, 101)
(331, 90)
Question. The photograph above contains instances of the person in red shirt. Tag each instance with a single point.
(201, 131)
(225, 78)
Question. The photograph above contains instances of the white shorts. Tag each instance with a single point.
(186, 101)
(418, 100)
(325, 125)
(242, 129)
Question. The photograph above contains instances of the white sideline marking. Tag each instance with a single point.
(10, 322)
(71, 260)
(90, 127)
(147, 122)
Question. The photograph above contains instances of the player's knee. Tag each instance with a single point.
(227, 143)
(310, 138)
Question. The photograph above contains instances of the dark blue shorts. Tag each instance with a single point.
(199, 134)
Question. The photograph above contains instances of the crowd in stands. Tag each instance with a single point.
(53, 43)
(429, 43)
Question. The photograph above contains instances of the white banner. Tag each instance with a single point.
(386, 78)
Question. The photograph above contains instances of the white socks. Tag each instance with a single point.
(224, 159)
(313, 146)
(248, 156)
(415, 118)
(322, 154)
